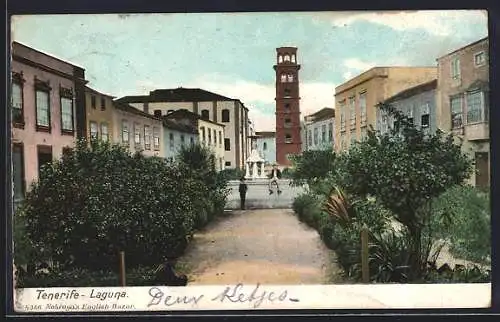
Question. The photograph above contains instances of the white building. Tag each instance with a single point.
(211, 107)
(319, 130)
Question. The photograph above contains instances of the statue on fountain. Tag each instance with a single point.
(255, 165)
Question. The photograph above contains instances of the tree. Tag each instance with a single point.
(311, 166)
(404, 169)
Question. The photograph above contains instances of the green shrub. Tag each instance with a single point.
(233, 174)
(462, 215)
(99, 200)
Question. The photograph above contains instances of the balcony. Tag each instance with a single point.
(477, 131)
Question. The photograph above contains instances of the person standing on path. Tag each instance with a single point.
(275, 175)
(243, 192)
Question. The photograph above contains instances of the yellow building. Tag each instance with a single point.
(99, 115)
(211, 134)
(356, 99)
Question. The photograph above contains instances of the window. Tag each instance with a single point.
(456, 111)
(215, 137)
(17, 103)
(287, 92)
(182, 139)
(287, 57)
(290, 78)
(156, 138)
(93, 130)
(191, 140)
(363, 133)
(225, 116)
(44, 154)
(67, 114)
(42, 109)
(228, 163)
(330, 132)
(104, 132)
(310, 137)
(202, 130)
(293, 58)
(171, 141)
(157, 113)
(342, 115)
(220, 138)
(288, 122)
(103, 104)
(352, 110)
(205, 114)
(137, 134)
(455, 69)
(280, 59)
(287, 108)
(125, 132)
(425, 115)
(93, 101)
(209, 136)
(264, 146)
(480, 59)
(288, 138)
(227, 144)
(283, 78)
(18, 178)
(410, 114)
(147, 137)
(362, 107)
(474, 107)
(316, 136)
(353, 137)
(323, 133)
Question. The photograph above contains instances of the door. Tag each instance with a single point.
(44, 153)
(482, 170)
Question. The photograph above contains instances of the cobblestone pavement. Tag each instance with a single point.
(266, 246)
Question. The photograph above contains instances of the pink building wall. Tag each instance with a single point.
(29, 136)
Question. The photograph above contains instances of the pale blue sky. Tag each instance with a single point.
(232, 54)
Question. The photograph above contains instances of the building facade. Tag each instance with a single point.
(319, 130)
(463, 103)
(417, 103)
(177, 135)
(230, 112)
(210, 134)
(138, 131)
(99, 114)
(48, 112)
(288, 136)
(356, 99)
(266, 146)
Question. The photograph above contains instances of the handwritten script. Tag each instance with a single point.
(234, 294)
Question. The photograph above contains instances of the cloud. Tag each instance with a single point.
(437, 22)
(357, 64)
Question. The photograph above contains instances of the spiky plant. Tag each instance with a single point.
(338, 207)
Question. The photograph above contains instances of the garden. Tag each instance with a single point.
(407, 189)
(99, 200)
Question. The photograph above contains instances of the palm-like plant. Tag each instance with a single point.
(338, 207)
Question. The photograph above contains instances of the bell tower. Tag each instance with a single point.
(288, 138)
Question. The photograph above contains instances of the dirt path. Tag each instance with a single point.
(259, 246)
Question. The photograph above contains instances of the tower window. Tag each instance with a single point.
(293, 58)
(287, 92)
(280, 59)
(283, 78)
(287, 107)
(288, 122)
(290, 78)
(288, 138)
(287, 58)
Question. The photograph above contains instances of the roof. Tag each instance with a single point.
(130, 109)
(412, 91)
(17, 43)
(179, 94)
(265, 134)
(185, 114)
(87, 88)
(323, 114)
(172, 124)
(463, 47)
